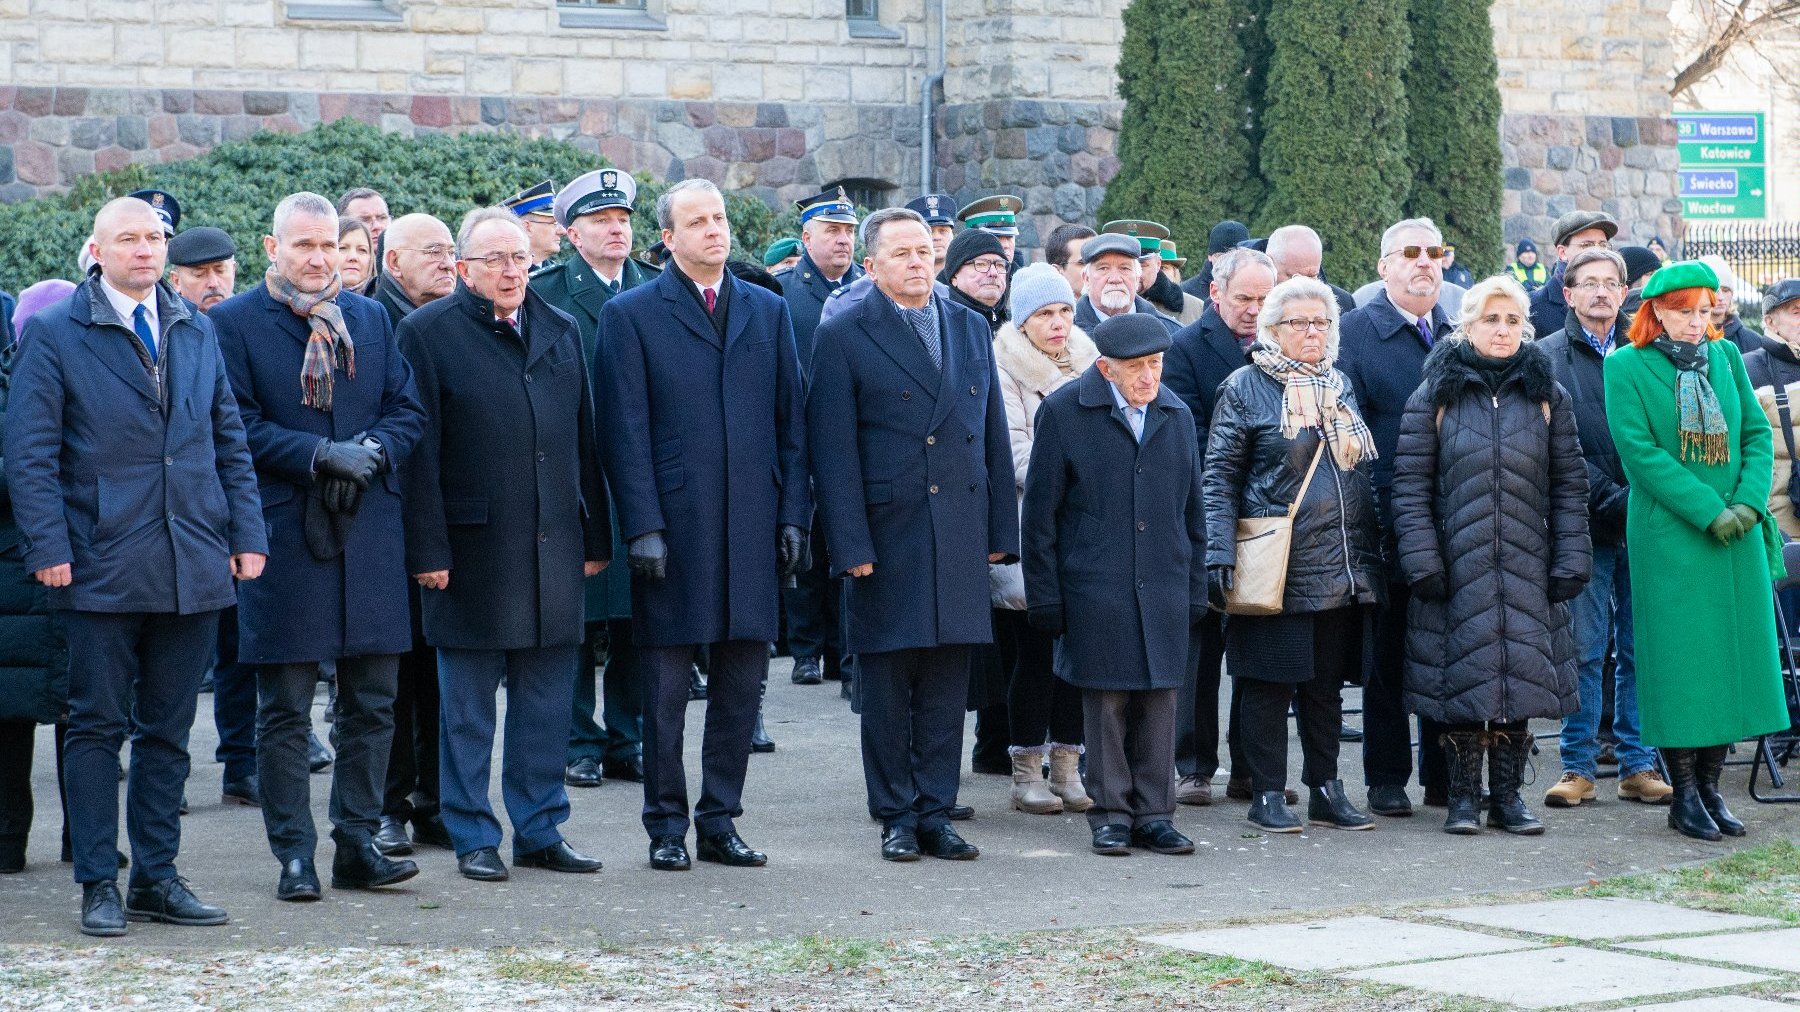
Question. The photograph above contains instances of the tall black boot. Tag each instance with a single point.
(1709, 762)
(1687, 813)
(1462, 754)
(1508, 752)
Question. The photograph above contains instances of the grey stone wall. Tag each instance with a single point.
(1623, 165)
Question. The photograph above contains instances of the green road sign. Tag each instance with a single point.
(1724, 193)
(1722, 164)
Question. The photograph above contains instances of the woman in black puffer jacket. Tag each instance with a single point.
(1490, 510)
(1271, 419)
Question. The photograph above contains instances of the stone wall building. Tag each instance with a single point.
(773, 97)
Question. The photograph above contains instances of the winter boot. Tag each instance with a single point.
(1709, 762)
(1687, 813)
(1065, 778)
(1462, 752)
(1029, 793)
(1507, 755)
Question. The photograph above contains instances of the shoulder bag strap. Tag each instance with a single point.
(1320, 452)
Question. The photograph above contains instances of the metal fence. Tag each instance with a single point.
(1759, 252)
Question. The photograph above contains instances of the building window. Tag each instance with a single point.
(872, 194)
(645, 14)
(864, 17)
(345, 10)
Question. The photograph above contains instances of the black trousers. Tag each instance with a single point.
(411, 783)
(814, 617)
(17, 739)
(1387, 731)
(365, 728)
(733, 694)
(1317, 702)
(912, 721)
(1197, 705)
(1041, 708)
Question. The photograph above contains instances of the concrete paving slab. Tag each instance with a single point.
(1566, 975)
(1600, 918)
(1725, 1003)
(1764, 950)
(1340, 944)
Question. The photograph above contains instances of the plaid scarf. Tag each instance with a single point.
(1312, 397)
(1702, 423)
(327, 345)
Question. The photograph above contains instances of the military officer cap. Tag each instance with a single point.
(1149, 234)
(829, 205)
(1170, 256)
(202, 244)
(1580, 221)
(1780, 294)
(935, 208)
(595, 191)
(1133, 335)
(166, 207)
(1109, 242)
(996, 215)
(539, 199)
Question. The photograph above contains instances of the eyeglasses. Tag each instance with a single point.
(431, 252)
(1298, 325)
(1599, 286)
(988, 266)
(1412, 252)
(500, 261)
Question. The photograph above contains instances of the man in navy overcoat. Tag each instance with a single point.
(913, 471)
(136, 503)
(336, 584)
(705, 451)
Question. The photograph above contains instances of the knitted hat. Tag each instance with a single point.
(969, 244)
(1721, 270)
(34, 299)
(1639, 263)
(1225, 235)
(1679, 275)
(1525, 246)
(1037, 286)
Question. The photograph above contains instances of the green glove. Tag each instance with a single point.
(1726, 527)
(1747, 516)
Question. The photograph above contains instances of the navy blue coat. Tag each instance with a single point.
(302, 609)
(704, 440)
(504, 487)
(34, 655)
(806, 290)
(913, 470)
(1381, 353)
(147, 493)
(1115, 535)
(1200, 357)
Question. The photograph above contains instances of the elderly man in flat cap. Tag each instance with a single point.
(1574, 232)
(203, 266)
(1110, 280)
(1114, 564)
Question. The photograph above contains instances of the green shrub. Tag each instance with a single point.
(1453, 128)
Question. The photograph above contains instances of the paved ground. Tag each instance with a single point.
(806, 808)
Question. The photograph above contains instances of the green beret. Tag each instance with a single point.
(1677, 275)
(780, 250)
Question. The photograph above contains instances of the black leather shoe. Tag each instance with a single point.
(1390, 800)
(624, 769)
(898, 843)
(1348, 733)
(729, 849)
(696, 683)
(1327, 806)
(1238, 789)
(171, 902)
(1269, 812)
(182, 809)
(430, 831)
(943, 842)
(102, 913)
(669, 853)
(391, 838)
(299, 882)
(583, 772)
(759, 738)
(1161, 837)
(246, 792)
(362, 866)
(482, 864)
(960, 813)
(807, 672)
(1112, 841)
(559, 856)
(318, 757)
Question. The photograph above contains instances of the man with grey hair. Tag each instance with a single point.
(335, 589)
(506, 515)
(1297, 251)
(1110, 278)
(912, 463)
(1381, 350)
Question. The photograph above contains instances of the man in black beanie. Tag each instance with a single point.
(1223, 238)
(975, 268)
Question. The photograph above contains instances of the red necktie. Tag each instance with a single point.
(712, 300)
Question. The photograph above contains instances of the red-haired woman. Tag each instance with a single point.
(1696, 449)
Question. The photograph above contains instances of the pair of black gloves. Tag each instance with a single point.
(649, 553)
(345, 469)
(1436, 588)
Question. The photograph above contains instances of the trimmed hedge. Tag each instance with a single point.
(235, 187)
(1453, 128)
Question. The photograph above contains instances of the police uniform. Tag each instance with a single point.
(167, 208)
(534, 205)
(576, 288)
(939, 211)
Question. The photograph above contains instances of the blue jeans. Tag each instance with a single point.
(1603, 608)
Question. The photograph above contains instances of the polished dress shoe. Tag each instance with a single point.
(318, 757)
(1238, 789)
(391, 837)
(943, 842)
(583, 772)
(482, 864)
(1348, 733)
(729, 849)
(1112, 840)
(102, 913)
(631, 769)
(669, 853)
(899, 843)
(246, 792)
(807, 671)
(960, 813)
(171, 902)
(696, 683)
(299, 882)
(1162, 837)
(1326, 805)
(759, 738)
(1390, 800)
(559, 856)
(182, 809)
(430, 831)
(1269, 812)
(361, 865)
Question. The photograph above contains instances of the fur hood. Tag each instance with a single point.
(1018, 358)
(1450, 372)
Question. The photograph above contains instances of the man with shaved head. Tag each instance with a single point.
(137, 506)
(1297, 250)
(418, 264)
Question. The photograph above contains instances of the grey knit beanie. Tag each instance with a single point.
(1035, 287)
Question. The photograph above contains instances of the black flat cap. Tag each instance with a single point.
(1780, 294)
(201, 244)
(1133, 335)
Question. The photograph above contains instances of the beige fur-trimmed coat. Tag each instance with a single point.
(1027, 376)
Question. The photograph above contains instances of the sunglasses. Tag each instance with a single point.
(1412, 252)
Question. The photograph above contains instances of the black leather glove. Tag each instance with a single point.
(384, 465)
(1432, 588)
(1565, 588)
(1046, 618)
(649, 556)
(1726, 528)
(1219, 580)
(790, 550)
(1197, 613)
(341, 496)
(348, 460)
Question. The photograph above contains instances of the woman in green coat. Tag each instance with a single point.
(1703, 549)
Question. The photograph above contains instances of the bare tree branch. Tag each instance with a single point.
(1748, 22)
